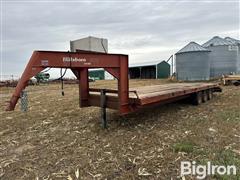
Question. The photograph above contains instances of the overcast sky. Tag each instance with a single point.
(146, 31)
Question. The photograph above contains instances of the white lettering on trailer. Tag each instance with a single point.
(87, 63)
(44, 62)
(68, 59)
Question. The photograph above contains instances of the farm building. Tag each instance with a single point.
(223, 56)
(149, 70)
(99, 74)
(192, 63)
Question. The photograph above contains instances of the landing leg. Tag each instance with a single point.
(103, 108)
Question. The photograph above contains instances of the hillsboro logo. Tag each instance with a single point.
(202, 171)
(68, 59)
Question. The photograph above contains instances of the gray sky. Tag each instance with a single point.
(146, 31)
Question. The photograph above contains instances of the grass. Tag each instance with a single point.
(232, 115)
(185, 146)
(227, 157)
(222, 157)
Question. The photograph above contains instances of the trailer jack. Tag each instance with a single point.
(103, 108)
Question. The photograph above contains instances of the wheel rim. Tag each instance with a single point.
(205, 96)
(210, 95)
(199, 98)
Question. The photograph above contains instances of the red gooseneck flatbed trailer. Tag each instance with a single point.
(123, 99)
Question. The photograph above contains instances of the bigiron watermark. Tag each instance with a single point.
(202, 171)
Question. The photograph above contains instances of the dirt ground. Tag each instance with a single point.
(56, 139)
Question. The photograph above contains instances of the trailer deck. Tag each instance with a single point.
(150, 95)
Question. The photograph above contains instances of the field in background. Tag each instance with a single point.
(56, 139)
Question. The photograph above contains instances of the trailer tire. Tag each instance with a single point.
(204, 96)
(197, 98)
(210, 94)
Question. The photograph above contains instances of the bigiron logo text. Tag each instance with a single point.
(68, 59)
(202, 171)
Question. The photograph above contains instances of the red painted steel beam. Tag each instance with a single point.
(123, 86)
(79, 63)
(73, 60)
(83, 87)
(113, 71)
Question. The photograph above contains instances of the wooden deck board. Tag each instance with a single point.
(168, 88)
(149, 94)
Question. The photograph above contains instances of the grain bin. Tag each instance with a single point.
(192, 63)
(237, 43)
(223, 56)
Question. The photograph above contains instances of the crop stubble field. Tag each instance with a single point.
(56, 139)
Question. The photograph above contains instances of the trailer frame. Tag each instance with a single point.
(123, 99)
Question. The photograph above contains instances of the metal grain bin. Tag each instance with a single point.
(192, 63)
(237, 43)
(223, 56)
